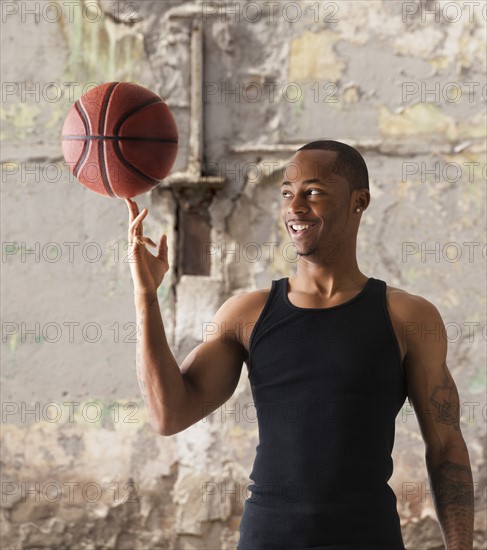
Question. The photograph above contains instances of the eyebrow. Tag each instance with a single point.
(288, 183)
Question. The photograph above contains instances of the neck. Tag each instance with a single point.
(328, 278)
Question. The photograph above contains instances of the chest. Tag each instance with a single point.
(392, 311)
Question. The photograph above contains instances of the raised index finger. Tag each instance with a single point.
(133, 208)
(130, 206)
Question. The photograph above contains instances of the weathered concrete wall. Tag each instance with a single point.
(403, 81)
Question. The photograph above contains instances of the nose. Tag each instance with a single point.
(297, 205)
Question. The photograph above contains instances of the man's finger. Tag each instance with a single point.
(146, 240)
(137, 221)
(162, 249)
(130, 209)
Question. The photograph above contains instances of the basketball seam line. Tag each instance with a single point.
(86, 124)
(131, 167)
(146, 103)
(117, 138)
(101, 130)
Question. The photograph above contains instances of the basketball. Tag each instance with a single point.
(120, 140)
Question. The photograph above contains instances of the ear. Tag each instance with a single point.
(360, 199)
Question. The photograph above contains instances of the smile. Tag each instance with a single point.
(300, 229)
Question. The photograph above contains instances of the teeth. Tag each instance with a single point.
(299, 227)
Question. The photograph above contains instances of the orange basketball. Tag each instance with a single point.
(120, 139)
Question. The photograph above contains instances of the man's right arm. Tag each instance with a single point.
(178, 397)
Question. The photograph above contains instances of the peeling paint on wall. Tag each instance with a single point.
(426, 159)
(312, 56)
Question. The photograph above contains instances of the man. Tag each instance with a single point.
(332, 356)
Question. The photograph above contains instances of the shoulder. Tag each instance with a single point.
(416, 321)
(410, 307)
(244, 304)
(241, 308)
(240, 312)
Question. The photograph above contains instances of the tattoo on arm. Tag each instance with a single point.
(444, 398)
(453, 495)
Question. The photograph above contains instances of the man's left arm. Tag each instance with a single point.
(434, 396)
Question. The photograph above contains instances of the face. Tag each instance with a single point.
(313, 194)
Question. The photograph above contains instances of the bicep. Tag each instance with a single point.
(431, 388)
(211, 371)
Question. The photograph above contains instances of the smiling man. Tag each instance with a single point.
(332, 357)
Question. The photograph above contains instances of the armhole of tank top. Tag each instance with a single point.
(389, 323)
(259, 322)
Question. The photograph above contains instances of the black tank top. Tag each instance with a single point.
(327, 385)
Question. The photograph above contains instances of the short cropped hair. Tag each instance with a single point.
(349, 162)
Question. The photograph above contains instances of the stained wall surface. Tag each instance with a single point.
(404, 82)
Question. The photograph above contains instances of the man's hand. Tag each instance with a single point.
(147, 270)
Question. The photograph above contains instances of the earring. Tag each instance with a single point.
(358, 210)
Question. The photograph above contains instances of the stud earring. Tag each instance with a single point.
(358, 210)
